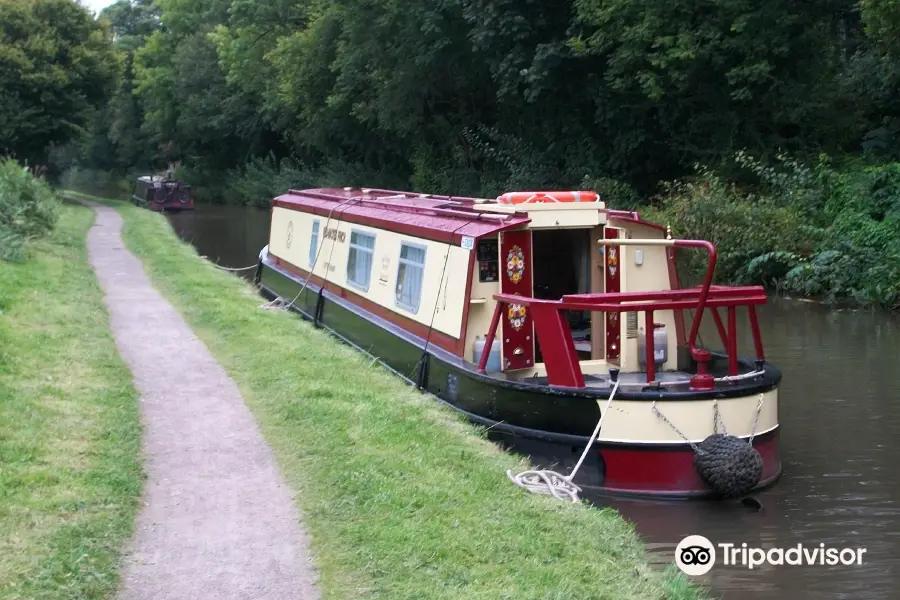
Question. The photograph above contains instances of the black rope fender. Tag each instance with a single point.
(729, 466)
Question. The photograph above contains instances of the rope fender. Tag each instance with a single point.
(729, 466)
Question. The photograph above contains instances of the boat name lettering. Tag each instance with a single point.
(331, 233)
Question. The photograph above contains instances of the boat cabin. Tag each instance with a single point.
(456, 271)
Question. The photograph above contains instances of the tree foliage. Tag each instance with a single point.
(477, 97)
(56, 66)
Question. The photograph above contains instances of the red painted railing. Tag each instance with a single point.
(555, 337)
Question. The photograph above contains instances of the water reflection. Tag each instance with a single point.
(840, 415)
(231, 236)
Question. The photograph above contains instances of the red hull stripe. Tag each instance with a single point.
(439, 339)
(656, 471)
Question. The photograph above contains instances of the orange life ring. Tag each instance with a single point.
(542, 197)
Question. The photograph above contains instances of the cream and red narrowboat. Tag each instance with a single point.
(518, 311)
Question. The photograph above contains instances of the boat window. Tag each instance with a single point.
(410, 271)
(314, 243)
(359, 263)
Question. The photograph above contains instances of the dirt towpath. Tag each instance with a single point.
(217, 520)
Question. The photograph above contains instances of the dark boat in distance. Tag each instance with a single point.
(162, 194)
(516, 311)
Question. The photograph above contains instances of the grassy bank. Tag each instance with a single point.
(403, 500)
(70, 476)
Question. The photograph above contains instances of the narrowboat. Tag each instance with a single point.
(520, 311)
(162, 194)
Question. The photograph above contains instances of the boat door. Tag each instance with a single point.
(516, 278)
(613, 266)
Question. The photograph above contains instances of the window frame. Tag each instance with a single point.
(405, 261)
(351, 247)
(314, 244)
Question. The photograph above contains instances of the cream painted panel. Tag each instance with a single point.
(481, 313)
(633, 421)
(561, 219)
(651, 275)
(444, 302)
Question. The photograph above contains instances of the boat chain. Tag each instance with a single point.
(717, 420)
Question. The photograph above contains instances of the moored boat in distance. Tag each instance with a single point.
(162, 194)
(519, 312)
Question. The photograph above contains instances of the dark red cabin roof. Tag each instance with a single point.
(441, 218)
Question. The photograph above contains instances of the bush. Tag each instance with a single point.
(829, 231)
(28, 209)
(742, 225)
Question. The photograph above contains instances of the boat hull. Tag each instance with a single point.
(174, 206)
(636, 455)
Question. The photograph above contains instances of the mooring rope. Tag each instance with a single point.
(551, 482)
(279, 304)
(233, 270)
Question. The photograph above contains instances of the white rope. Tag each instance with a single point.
(278, 303)
(240, 269)
(678, 382)
(551, 482)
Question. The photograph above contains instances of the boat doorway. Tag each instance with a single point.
(563, 264)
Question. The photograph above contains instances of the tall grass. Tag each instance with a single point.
(28, 209)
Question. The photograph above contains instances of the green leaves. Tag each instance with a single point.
(56, 66)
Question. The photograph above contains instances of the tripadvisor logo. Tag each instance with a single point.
(696, 555)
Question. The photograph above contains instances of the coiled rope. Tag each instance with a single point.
(551, 482)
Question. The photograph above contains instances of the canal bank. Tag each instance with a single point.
(70, 468)
(402, 499)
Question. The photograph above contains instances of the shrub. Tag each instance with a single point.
(28, 209)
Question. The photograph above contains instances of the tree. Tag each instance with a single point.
(57, 64)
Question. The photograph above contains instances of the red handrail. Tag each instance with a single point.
(562, 363)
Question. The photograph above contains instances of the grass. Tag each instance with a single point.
(403, 500)
(70, 476)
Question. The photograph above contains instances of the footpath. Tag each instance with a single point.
(218, 521)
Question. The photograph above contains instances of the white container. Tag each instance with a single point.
(493, 363)
(660, 345)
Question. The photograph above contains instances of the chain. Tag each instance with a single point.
(678, 431)
(756, 419)
(717, 419)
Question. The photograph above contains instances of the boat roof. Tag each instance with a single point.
(430, 216)
(441, 218)
(157, 179)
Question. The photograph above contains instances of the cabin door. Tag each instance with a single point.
(516, 278)
(613, 265)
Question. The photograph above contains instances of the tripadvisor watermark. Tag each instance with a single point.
(696, 555)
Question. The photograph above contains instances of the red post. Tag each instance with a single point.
(702, 380)
(648, 351)
(492, 331)
(732, 338)
(557, 346)
(704, 291)
(757, 337)
(721, 327)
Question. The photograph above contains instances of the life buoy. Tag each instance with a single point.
(542, 197)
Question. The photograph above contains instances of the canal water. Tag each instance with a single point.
(840, 435)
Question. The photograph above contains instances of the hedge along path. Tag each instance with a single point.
(218, 520)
